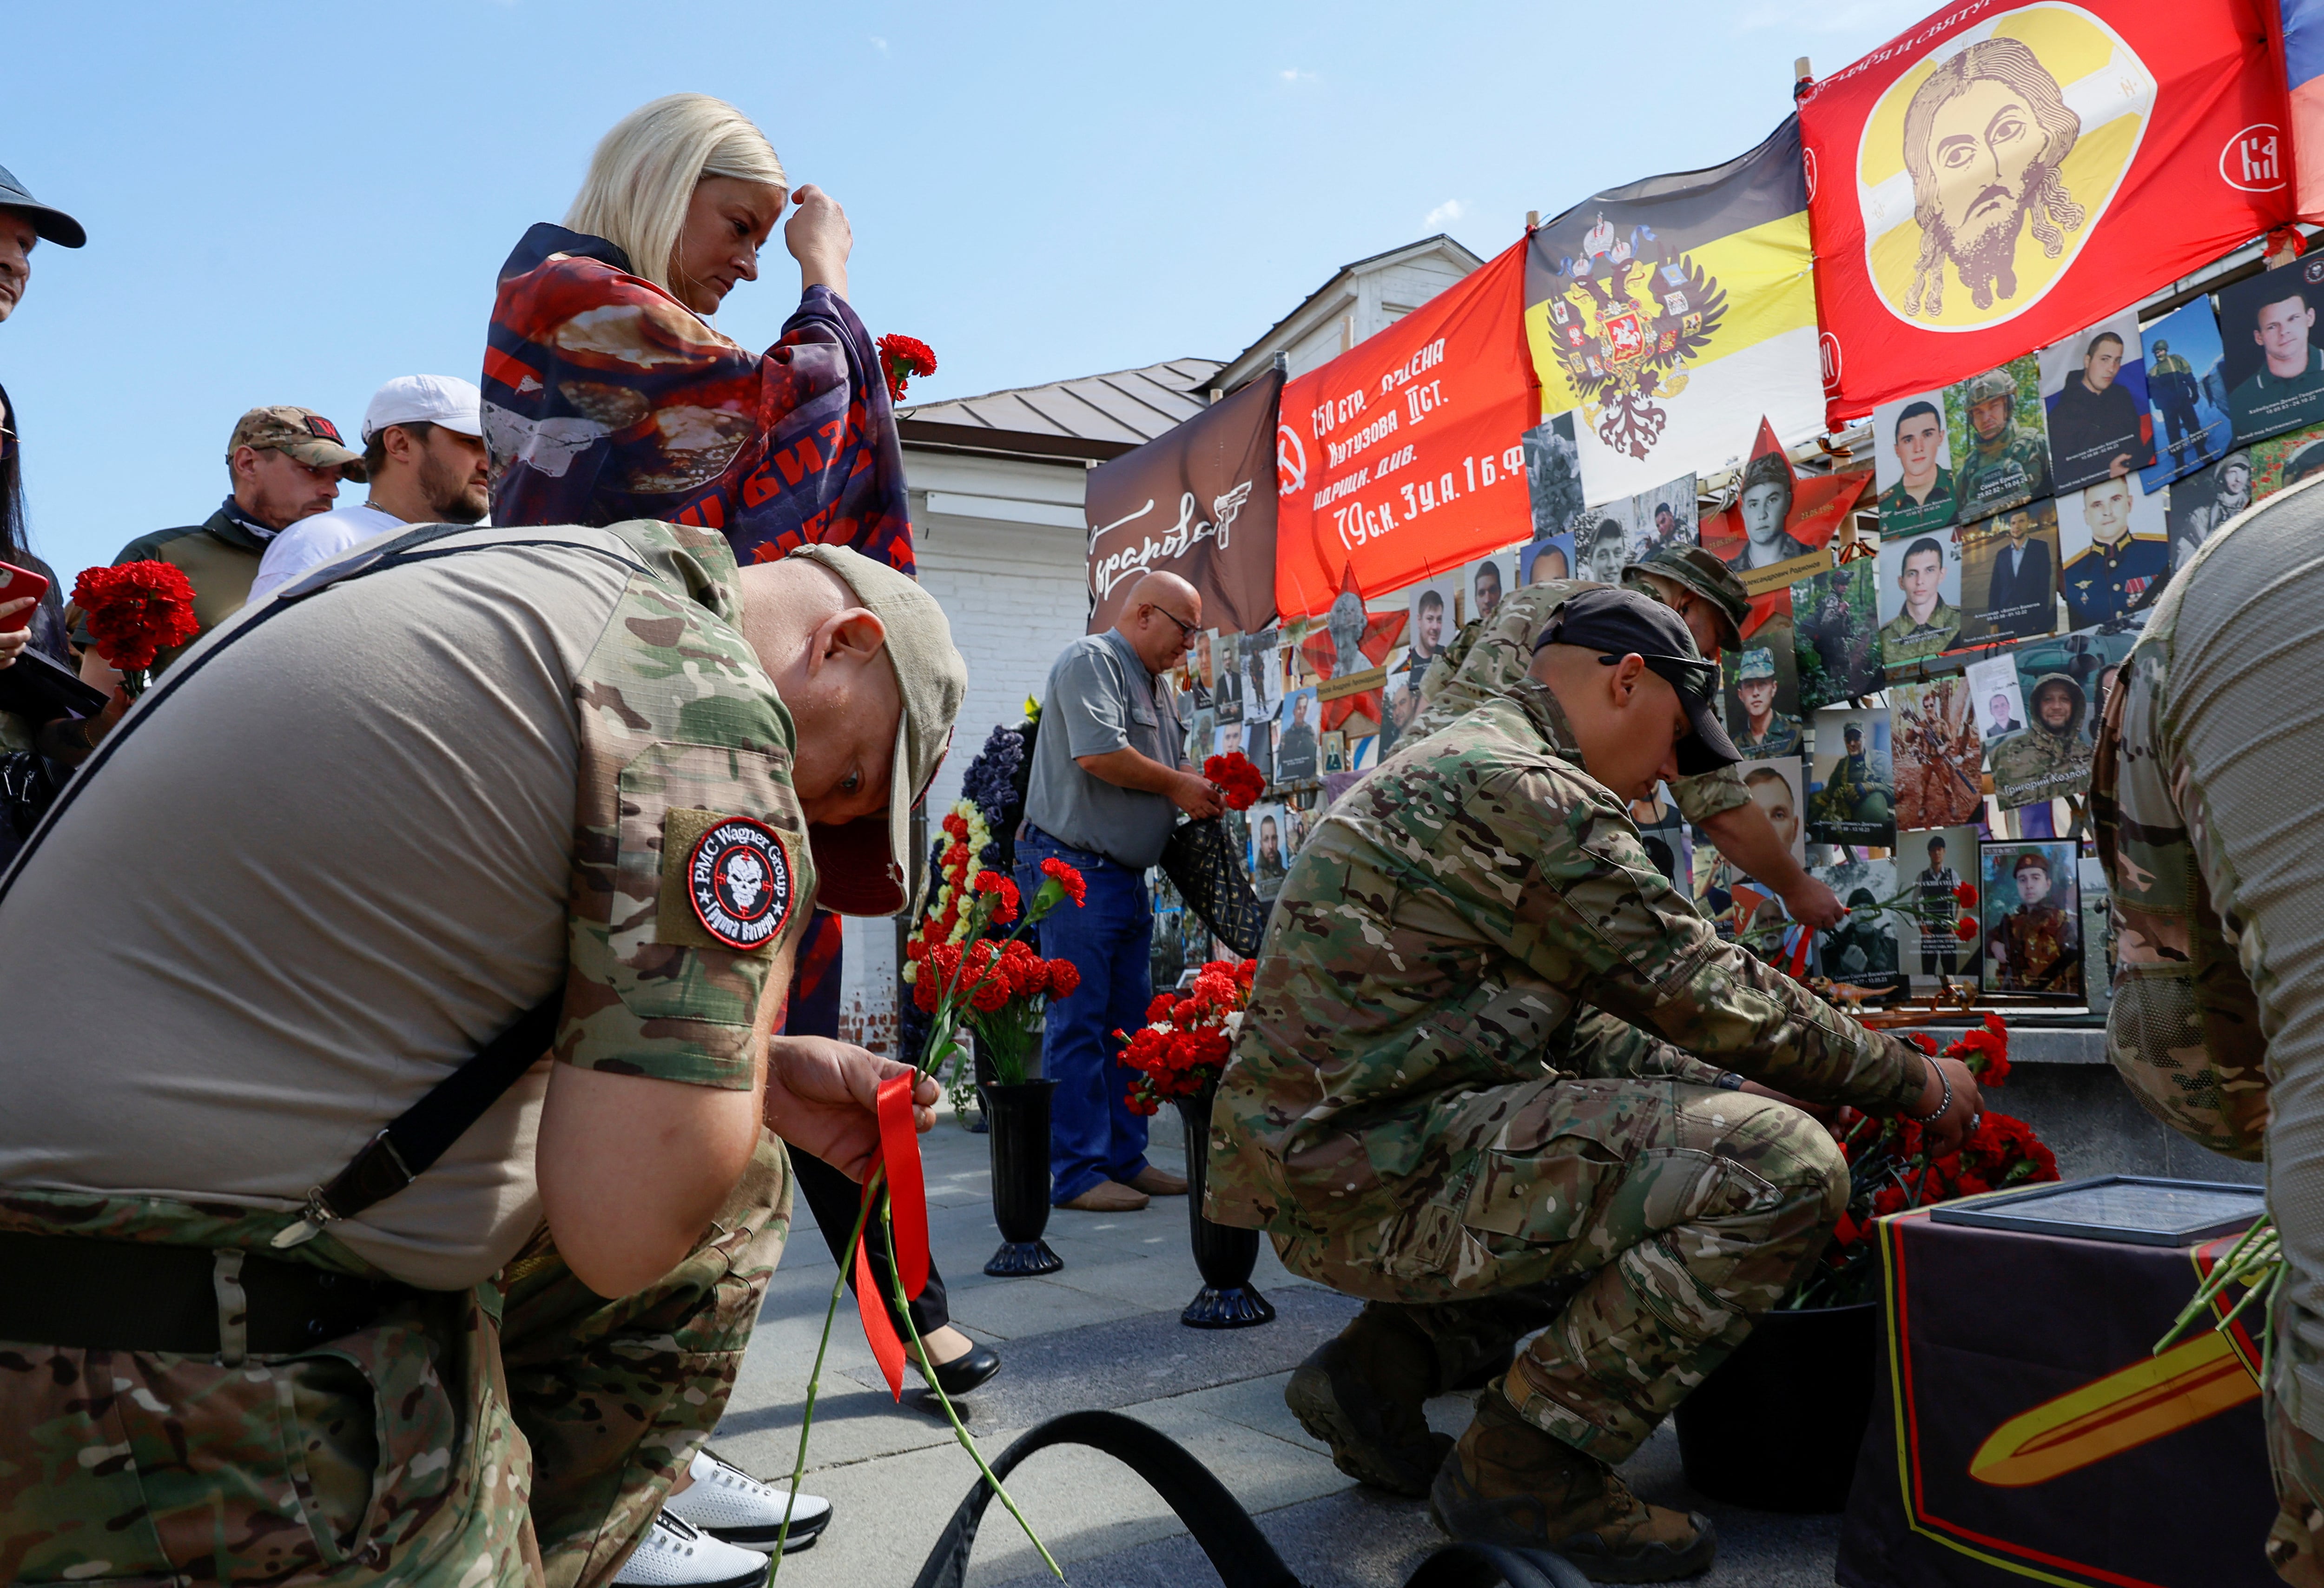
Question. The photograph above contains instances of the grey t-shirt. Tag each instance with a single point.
(232, 960)
(1100, 698)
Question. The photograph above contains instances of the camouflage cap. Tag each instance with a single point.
(302, 433)
(1758, 662)
(865, 863)
(1702, 572)
(1992, 383)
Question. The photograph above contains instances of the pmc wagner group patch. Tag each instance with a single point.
(740, 880)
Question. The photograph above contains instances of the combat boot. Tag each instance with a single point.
(1509, 1483)
(1362, 1393)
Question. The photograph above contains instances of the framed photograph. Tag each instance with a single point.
(1940, 753)
(1920, 598)
(2094, 388)
(1664, 516)
(1297, 752)
(2284, 461)
(2203, 501)
(1836, 632)
(1539, 562)
(1773, 785)
(1602, 541)
(2187, 393)
(1435, 619)
(2032, 916)
(1270, 856)
(2114, 542)
(2001, 448)
(1552, 475)
(1867, 949)
(1334, 752)
(1852, 777)
(2274, 363)
(1226, 675)
(1931, 868)
(2009, 574)
(1763, 700)
(1662, 830)
(1484, 581)
(1912, 466)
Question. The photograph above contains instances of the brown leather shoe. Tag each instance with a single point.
(1107, 1196)
(1156, 1182)
(1507, 1483)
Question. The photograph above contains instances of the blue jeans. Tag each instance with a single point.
(1093, 1135)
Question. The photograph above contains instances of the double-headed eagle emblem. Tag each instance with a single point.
(1624, 317)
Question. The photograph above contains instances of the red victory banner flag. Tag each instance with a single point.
(1402, 455)
(2002, 177)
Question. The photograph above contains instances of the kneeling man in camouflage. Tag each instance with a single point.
(1491, 1054)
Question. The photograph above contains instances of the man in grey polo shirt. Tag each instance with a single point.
(1108, 784)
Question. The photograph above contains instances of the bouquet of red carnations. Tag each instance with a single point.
(1239, 782)
(1185, 1043)
(135, 611)
(1891, 1169)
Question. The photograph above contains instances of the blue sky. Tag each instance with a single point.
(292, 204)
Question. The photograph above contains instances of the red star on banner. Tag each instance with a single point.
(1819, 505)
(1382, 630)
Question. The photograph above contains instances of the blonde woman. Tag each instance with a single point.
(609, 395)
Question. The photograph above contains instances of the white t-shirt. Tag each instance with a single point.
(312, 541)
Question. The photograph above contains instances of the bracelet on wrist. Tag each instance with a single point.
(1943, 1103)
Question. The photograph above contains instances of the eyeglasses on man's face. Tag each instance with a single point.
(1186, 630)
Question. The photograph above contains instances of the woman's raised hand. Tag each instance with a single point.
(819, 238)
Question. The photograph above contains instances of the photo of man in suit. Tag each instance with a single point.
(2021, 602)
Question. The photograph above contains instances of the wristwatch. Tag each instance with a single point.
(1728, 1081)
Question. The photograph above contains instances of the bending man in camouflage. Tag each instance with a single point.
(2204, 799)
(359, 830)
(1490, 655)
(1470, 1070)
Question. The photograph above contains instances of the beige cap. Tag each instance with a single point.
(864, 864)
(302, 433)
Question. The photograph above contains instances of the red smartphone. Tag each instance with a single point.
(15, 584)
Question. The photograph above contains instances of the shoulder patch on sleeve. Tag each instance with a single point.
(727, 881)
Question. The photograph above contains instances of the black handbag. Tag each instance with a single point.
(1204, 864)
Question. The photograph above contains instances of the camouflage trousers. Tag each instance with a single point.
(2295, 1542)
(1681, 1211)
(523, 1433)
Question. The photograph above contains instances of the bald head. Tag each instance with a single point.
(1627, 720)
(1161, 619)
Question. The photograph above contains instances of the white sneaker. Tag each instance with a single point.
(728, 1504)
(677, 1555)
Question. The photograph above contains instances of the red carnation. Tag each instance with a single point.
(137, 610)
(1159, 1010)
(1076, 885)
(957, 825)
(1239, 782)
(994, 883)
(1064, 976)
(901, 358)
(1965, 895)
(1965, 929)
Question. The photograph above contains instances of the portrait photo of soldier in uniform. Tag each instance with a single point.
(2282, 462)
(2275, 356)
(1664, 516)
(1268, 858)
(2032, 915)
(1996, 98)
(1836, 632)
(1485, 581)
(1543, 562)
(1773, 785)
(1940, 753)
(1932, 866)
(2186, 393)
(2001, 453)
(2094, 386)
(2204, 501)
(1431, 627)
(2050, 757)
(1604, 541)
(1762, 705)
(1552, 475)
(2116, 544)
(1912, 465)
(1920, 598)
(1863, 950)
(1295, 744)
(1852, 777)
(1763, 504)
(2009, 574)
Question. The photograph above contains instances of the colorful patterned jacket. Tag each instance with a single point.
(605, 399)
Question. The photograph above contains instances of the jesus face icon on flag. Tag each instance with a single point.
(1983, 169)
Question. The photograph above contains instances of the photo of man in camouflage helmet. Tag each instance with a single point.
(2007, 464)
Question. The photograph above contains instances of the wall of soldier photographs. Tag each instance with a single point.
(1919, 692)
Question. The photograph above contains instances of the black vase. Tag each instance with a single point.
(1223, 1255)
(1776, 1426)
(1020, 1119)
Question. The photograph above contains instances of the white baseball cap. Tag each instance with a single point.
(439, 400)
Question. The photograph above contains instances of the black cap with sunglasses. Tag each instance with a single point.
(1617, 622)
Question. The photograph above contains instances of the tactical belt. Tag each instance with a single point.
(390, 1160)
(131, 1296)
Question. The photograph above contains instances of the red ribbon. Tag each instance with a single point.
(908, 1213)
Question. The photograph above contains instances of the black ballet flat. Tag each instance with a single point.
(964, 1373)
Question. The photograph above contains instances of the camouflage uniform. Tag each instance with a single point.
(2012, 467)
(1903, 641)
(1407, 1111)
(2043, 762)
(2202, 795)
(526, 1429)
(1490, 656)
